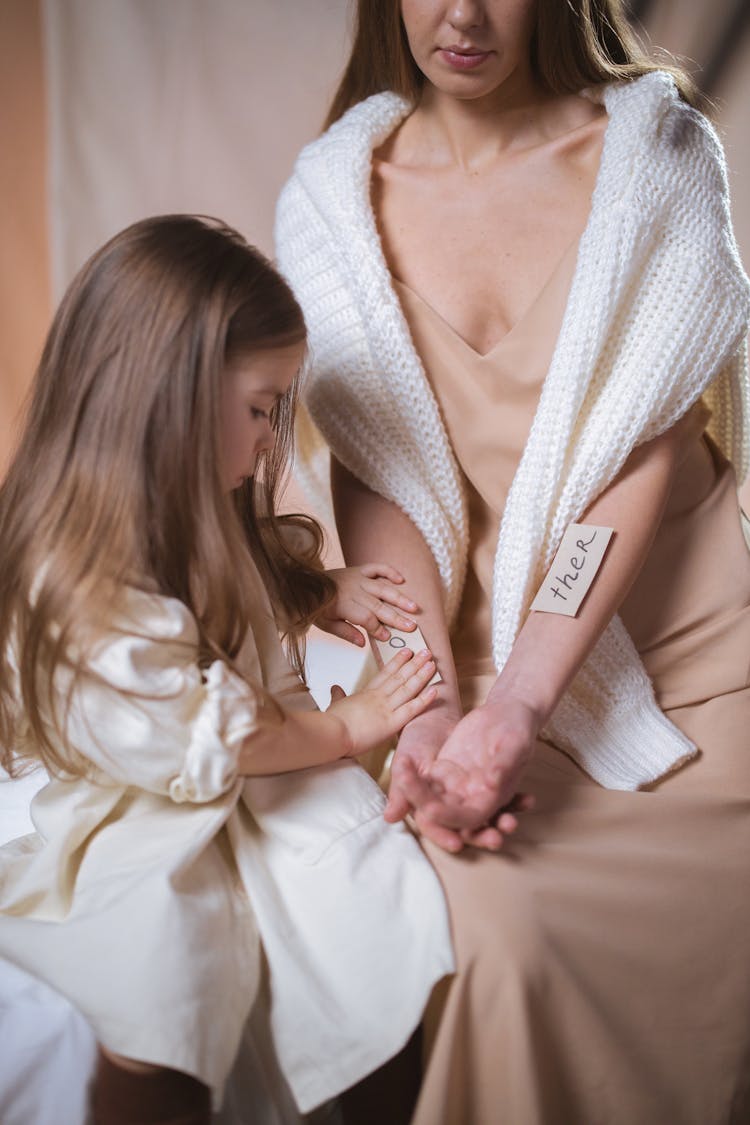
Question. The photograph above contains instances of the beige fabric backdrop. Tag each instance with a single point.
(184, 104)
(180, 105)
(24, 286)
(690, 29)
(156, 105)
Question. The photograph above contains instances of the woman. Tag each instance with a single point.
(526, 310)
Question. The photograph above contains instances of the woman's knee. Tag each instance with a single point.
(499, 935)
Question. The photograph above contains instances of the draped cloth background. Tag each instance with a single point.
(115, 109)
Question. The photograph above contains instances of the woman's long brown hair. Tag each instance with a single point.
(116, 479)
(575, 43)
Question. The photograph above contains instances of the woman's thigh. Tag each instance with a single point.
(596, 934)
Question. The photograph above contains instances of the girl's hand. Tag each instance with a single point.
(396, 695)
(473, 783)
(366, 596)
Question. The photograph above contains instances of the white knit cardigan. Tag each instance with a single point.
(656, 317)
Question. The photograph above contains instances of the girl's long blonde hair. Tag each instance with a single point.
(116, 478)
(575, 43)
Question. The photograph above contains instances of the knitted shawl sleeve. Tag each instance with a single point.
(365, 386)
(657, 317)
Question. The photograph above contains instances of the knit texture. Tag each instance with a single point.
(656, 317)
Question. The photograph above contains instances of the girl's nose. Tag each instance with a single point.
(268, 439)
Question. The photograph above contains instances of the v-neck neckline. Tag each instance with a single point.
(397, 108)
(514, 328)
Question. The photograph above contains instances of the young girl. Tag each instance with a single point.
(143, 582)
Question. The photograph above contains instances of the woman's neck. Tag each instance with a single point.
(471, 133)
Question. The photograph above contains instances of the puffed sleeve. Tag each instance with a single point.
(145, 714)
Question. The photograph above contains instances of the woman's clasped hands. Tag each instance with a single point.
(458, 777)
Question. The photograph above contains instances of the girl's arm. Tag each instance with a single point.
(351, 726)
(142, 711)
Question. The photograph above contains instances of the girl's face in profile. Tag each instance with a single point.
(250, 388)
(468, 48)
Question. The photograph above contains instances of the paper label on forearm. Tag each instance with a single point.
(385, 650)
(573, 569)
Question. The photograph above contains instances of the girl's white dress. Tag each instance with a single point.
(165, 896)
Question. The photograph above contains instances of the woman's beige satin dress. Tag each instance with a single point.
(604, 954)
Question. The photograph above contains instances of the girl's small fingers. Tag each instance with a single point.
(390, 616)
(385, 592)
(382, 570)
(409, 710)
(347, 632)
(427, 694)
(344, 630)
(364, 617)
(384, 676)
(386, 606)
(408, 681)
(368, 620)
(402, 657)
(337, 693)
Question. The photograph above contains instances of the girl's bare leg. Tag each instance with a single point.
(128, 1092)
(389, 1094)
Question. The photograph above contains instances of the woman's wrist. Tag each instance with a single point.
(426, 734)
(441, 713)
(502, 696)
(536, 673)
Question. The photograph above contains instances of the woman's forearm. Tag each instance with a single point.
(373, 529)
(550, 648)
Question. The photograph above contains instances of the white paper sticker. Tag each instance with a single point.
(385, 650)
(573, 569)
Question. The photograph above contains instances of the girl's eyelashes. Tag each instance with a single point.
(256, 412)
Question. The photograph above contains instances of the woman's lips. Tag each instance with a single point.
(462, 59)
